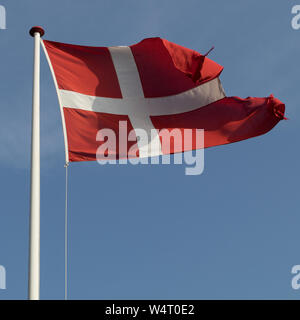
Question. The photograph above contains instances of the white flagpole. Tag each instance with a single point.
(34, 244)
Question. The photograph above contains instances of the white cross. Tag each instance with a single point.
(136, 106)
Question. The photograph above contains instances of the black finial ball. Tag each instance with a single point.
(38, 29)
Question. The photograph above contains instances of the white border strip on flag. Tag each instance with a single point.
(59, 102)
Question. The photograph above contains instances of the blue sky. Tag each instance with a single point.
(151, 232)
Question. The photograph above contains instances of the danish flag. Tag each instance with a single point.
(152, 85)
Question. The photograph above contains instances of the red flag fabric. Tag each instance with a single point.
(152, 85)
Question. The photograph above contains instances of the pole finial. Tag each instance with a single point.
(35, 29)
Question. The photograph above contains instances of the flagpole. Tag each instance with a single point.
(34, 242)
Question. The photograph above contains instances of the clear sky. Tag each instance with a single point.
(151, 232)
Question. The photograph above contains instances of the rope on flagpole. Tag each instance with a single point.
(66, 233)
